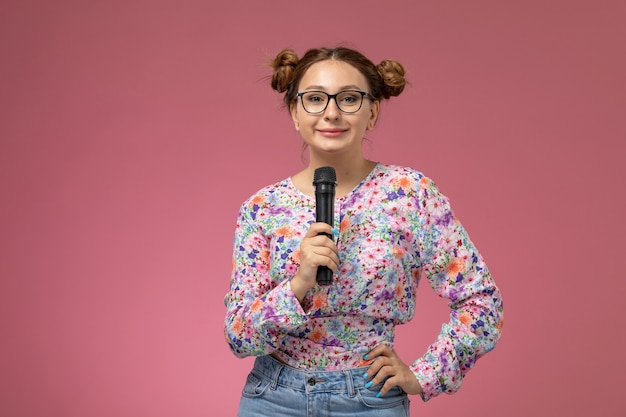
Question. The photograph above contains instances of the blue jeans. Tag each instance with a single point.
(277, 390)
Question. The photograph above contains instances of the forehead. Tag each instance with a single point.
(333, 75)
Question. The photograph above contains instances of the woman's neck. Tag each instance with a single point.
(349, 175)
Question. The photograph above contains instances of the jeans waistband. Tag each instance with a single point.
(348, 380)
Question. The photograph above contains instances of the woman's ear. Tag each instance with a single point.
(374, 109)
(293, 110)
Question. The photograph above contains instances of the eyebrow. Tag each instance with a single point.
(345, 87)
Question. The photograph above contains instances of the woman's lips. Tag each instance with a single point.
(331, 133)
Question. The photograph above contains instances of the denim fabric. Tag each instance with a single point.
(276, 390)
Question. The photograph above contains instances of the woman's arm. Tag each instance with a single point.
(457, 272)
(259, 311)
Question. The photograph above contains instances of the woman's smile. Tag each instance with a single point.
(332, 132)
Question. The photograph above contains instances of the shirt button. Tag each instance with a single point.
(311, 381)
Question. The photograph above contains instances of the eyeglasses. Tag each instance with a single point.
(348, 101)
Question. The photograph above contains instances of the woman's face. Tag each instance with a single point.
(334, 131)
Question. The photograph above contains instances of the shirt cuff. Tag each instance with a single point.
(285, 312)
(427, 378)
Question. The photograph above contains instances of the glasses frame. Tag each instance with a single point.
(334, 97)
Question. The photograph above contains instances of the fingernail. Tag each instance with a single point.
(380, 394)
(369, 384)
(365, 375)
(335, 231)
(366, 356)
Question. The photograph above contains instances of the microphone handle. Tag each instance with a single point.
(324, 275)
(325, 196)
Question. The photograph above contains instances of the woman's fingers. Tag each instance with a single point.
(387, 367)
(319, 228)
(316, 249)
(378, 356)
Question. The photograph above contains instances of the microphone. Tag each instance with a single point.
(324, 181)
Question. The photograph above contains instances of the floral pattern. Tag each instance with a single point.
(395, 227)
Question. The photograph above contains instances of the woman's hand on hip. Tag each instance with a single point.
(387, 367)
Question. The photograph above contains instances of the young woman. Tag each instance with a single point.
(328, 350)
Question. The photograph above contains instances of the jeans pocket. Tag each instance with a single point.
(394, 398)
(255, 385)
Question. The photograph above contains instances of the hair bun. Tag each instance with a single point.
(392, 74)
(284, 66)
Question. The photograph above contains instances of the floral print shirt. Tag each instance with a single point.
(395, 227)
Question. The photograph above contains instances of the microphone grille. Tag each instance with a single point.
(324, 175)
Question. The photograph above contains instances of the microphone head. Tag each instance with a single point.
(325, 175)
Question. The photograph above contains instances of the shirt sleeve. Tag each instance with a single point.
(457, 272)
(259, 311)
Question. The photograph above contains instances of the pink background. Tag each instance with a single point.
(130, 132)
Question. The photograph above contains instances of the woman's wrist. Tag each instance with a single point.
(299, 287)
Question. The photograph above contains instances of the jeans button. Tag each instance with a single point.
(311, 381)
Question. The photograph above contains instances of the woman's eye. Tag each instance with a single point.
(349, 98)
(316, 98)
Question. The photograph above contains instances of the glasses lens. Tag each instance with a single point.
(314, 101)
(349, 101)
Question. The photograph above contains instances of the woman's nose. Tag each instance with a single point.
(332, 110)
